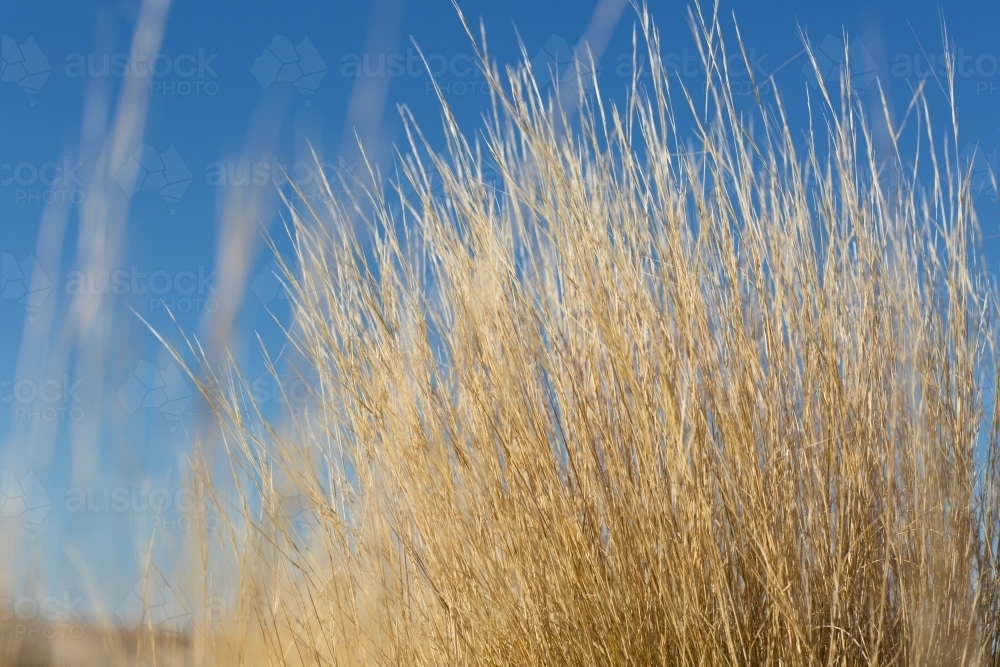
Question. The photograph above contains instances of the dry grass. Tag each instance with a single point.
(640, 403)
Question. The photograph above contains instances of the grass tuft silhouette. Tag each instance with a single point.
(603, 393)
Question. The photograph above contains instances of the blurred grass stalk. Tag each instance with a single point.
(639, 402)
(74, 338)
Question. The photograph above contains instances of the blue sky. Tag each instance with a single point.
(241, 91)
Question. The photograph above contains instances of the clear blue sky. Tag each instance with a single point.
(284, 74)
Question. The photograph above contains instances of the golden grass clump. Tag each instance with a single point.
(651, 397)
